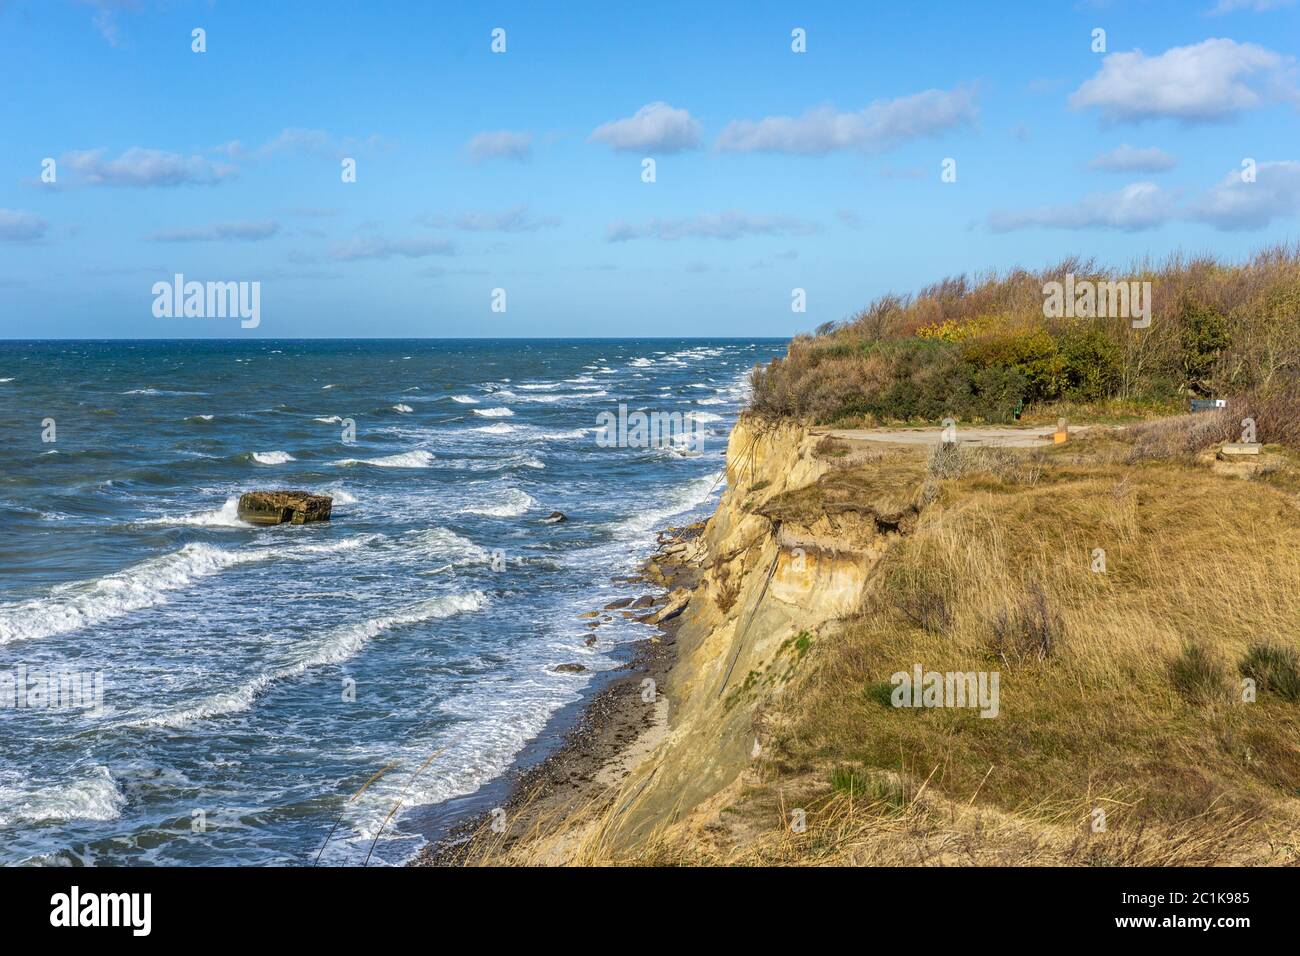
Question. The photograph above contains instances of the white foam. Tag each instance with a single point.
(442, 543)
(569, 435)
(227, 516)
(272, 457)
(511, 504)
(496, 428)
(685, 497)
(95, 797)
(69, 607)
(332, 420)
(465, 399)
(404, 409)
(407, 459)
(501, 412)
(338, 644)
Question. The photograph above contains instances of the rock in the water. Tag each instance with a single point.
(279, 507)
(555, 517)
(590, 641)
(589, 614)
(615, 605)
(644, 600)
(569, 668)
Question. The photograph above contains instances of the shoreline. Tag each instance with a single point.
(588, 746)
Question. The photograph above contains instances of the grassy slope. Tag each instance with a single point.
(1107, 718)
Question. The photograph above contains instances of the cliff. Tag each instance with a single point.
(837, 561)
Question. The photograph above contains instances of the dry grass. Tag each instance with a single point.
(1120, 689)
(1094, 669)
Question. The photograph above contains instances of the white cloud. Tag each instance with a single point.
(1256, 6)
(1135, 207)
(881, 125)
(500, 144)
(105, 18)
(244, 230)
(1133, 159)
(1213, 80)
(731, 224)
(1233, 205)
(514, 219)
(297, 139)
(19, 226)
(656, 128)
(378, 247)
(142, 168)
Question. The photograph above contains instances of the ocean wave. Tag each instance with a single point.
(465, 399)
(403, 409)
(333, 647)
(272, 457)
(95, 797)
(332, 420)
(442, 543)
(227, 516)
(683, 498)
(341, 496)
(496, 428)
(407, 459)
(70, 607)
(550, 399)
(501, 412)
(570, 435)
(511, 504)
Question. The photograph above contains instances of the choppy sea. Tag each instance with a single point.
(254, 679)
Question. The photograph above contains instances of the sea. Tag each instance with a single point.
(178, 687)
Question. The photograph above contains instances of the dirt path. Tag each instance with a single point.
(1006, 437)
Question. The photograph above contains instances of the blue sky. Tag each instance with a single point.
(522, 170)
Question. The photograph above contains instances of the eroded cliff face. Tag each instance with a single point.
(769, 579)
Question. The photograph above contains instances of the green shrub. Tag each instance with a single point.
(1198, 675)
(1274, 669)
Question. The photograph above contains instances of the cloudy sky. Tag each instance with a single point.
(524, 170)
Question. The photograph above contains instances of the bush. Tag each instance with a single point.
(1197, 675)
(1274, 669)
(1028, 632)
(973, 348)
